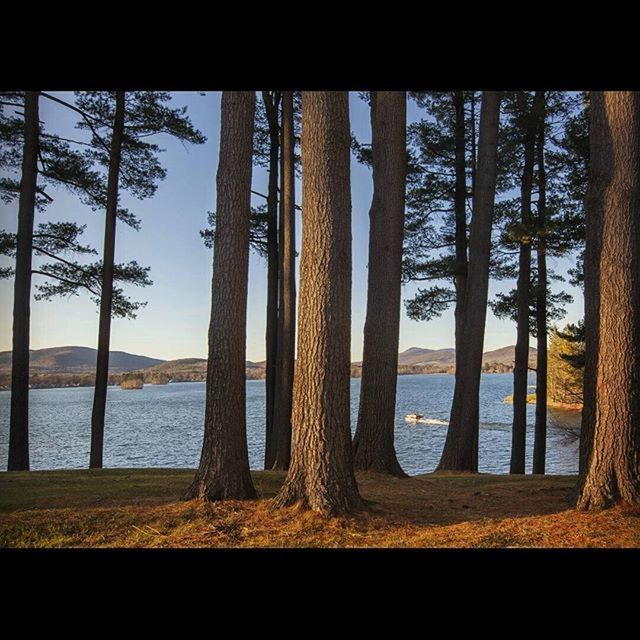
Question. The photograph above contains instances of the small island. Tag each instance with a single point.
(132, 383)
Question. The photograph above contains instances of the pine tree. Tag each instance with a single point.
(611, 416)
(271, 101)
(373, 442)
(285, 361)
(19, 421)
(60, 165)
(461, 446)
(223, 472)
(321, 472)
(127, 120)
(535, 132)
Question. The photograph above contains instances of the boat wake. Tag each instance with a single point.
(414, 418)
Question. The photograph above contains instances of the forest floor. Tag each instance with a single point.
(143, 508)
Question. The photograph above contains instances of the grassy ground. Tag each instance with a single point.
(142, 508)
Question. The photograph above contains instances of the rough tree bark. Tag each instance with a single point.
(460, 451)
(271, 102)
(612, 471)
(594, 211)
(521, 365)
(104, 326)
(540, 430)
(373, 442)
(287, 300)
(321, 473)
(19, 420)
(223, 472)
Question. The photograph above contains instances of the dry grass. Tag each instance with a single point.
(142, 508)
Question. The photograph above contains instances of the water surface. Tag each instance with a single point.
(162, 426)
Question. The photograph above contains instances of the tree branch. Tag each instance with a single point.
(86, 116)
(69, 282)
(73, 265)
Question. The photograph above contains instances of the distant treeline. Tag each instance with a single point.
(54, 380)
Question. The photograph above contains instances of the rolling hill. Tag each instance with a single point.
(416, 356)
(77, 360)
(75, 366)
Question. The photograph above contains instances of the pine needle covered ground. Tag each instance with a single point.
(142, 508)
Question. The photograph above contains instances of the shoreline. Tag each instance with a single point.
(117, 384)
(558, 406)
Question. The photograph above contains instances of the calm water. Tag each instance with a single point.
(161, 426)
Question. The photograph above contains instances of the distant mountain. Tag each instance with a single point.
(77, 360)
(507, 356)
(416, 356)
(75, 366)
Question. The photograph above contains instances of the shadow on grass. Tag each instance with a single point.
(429, 499)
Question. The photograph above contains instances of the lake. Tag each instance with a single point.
(162, 426)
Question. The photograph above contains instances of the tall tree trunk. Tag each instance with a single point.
(321, 473)
(597, 183)
(19, 421)
(106, 297)
(540, 431)
(460, 203)
(521, 365)
(271, 102)
(373, 443)
(223, 472)
(612, 471)
(287, 301)
(460, 450)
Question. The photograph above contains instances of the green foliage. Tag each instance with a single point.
(60, 165)
(566, 138)
(573, 334)
(261, 148)
(66, 279)
(80, 168)
(257, 230)
(146, 115)
(429, 242)
(429, 303)
(65, 276)
(566, 363)
(505, 305)
(261, 141)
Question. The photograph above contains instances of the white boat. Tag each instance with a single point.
(419, 418)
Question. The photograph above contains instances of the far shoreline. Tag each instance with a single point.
(248, 378)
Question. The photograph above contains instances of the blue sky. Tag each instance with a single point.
(174, 323)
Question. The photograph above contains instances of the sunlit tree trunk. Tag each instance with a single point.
(611, 472)
(223, 472)
(321, 472)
